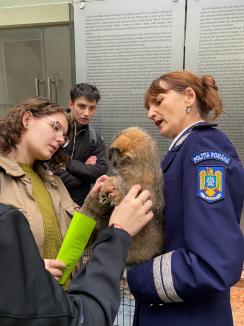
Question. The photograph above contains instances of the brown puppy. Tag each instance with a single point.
(134, 158)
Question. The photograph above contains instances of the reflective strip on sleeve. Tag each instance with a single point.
(163, 280)
(158, 281)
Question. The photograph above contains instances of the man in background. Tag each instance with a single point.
(86, 149)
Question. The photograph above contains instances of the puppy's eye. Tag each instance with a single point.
(126, 160)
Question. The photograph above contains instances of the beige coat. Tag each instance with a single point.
(16, 190)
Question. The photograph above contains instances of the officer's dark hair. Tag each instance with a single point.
(90, 92)
(208, 100)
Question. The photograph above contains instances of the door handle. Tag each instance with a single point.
(38, 83)
(51, 85)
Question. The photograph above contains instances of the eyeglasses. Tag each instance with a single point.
(58, 131)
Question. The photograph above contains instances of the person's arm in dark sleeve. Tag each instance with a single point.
(98, 284)
(68, 179)
(35, 296)
(89, 172)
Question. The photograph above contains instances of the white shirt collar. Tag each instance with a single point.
(181, 133)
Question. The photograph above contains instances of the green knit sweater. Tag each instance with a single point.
(52, 234)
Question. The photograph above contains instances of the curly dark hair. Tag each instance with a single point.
(12, 128)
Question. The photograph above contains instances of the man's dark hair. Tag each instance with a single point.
(90, 92)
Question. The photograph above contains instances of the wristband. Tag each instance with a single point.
(116, 226)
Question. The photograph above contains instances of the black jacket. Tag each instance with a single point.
(30, 296)
(79, 176)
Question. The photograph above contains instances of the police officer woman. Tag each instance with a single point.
(189, 284)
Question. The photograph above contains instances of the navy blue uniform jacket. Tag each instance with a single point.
(204, 189)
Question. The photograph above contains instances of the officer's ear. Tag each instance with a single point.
(190, 96)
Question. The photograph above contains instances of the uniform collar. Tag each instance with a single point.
(181, 133)
(171, 154)
(186, 132)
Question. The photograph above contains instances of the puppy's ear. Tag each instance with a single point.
(113, 151)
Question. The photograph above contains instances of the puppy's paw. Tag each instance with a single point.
(105, 198)
(105, 195)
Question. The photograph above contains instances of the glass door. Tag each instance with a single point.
(34, 61)
(21, 62)
(57, 63)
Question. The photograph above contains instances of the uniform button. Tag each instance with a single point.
(156, 305)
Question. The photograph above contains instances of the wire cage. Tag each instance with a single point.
(127, 306)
